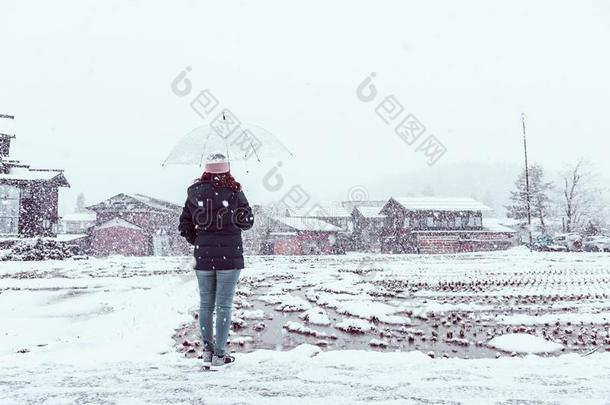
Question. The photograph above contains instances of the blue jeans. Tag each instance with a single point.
(216, 289)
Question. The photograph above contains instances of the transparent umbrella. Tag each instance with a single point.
(245, 142)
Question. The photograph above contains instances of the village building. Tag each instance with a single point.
(28, 197)
(368, 225)
(303, 236)
(77, 222)
(119, 237)
(336, 215)
(138, 225)
(440, 225)
(274, 233)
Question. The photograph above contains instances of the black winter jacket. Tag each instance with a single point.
(212, 219)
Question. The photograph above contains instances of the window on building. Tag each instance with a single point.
(396, 223)
(458, 222)
(430, 222)
(471, 221)
(9, 209)
(477, 221)
(407, 223)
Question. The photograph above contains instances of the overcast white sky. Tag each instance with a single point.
(90, 81)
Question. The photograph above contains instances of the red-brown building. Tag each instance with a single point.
(335, 215)
(304, 236)
(275, 234)
(119, 237)
(440, 225)
(137, 225)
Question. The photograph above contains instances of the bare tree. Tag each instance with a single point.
(581, 199)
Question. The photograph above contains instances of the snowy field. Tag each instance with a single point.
(385, 329)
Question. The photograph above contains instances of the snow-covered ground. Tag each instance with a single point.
(100, 330)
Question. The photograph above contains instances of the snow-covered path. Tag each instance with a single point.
(333, 377)
(99, 332)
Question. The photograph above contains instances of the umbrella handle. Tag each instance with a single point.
(224, 118)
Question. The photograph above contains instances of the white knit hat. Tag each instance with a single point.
(217, 163)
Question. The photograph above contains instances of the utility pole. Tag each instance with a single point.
(527, 183)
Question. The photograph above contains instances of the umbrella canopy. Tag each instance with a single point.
(245, 142)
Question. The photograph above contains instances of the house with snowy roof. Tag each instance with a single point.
(274, 232)
(138, 225)
(28, 197)
(304, 236)
(440, 225)
(77, 222)
(336, 215)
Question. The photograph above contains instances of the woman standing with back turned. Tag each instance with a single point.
(214, 215)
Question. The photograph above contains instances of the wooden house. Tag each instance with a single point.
(304, 236)
(368, 226)
(439, 225)
(336, 215)
(28, 197)
(148, 225)
(274, 233)
(119, 237)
